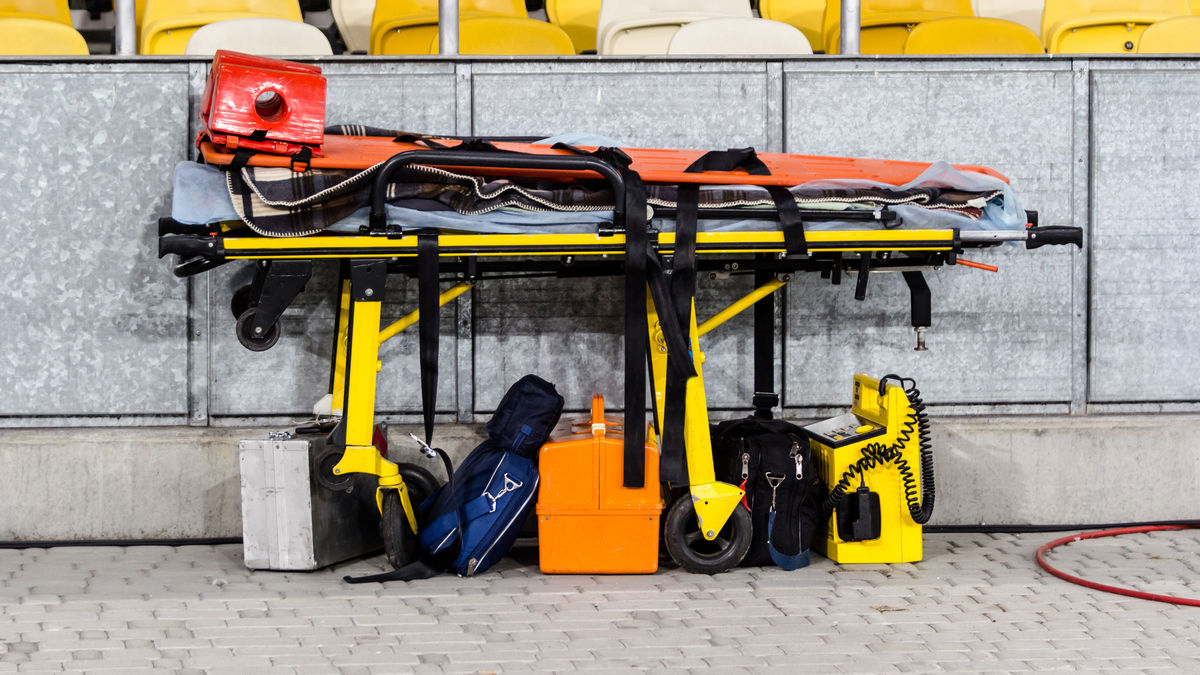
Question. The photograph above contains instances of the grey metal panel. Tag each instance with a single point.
(93, 322)
(418, 97)
(996, 339)
(1146, 235)
(651, 104)
(290, 377)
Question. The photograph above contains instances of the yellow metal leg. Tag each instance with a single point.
(339, 353)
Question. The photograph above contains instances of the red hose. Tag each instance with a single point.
(1041, 559)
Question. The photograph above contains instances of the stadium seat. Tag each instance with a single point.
(1180, 35)
(733, 35)
(353, 20)
(407, 26)
(647, 26)
(49, 10)
(972, 35)
(578, 18)
(265, 37)
(485, 35)
(1103, 26)
(807, 15)
(886, 23)
(168, 24)
(22, 36)
(1028, 13)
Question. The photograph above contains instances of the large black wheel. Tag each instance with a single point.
(421, 483)
(691, 551)
(240, 302)
(255, 342)
(399, 541)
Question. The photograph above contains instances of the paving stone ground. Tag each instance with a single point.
(977, 603)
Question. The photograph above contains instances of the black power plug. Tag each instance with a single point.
(858, 516)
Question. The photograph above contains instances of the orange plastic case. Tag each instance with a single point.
(588, 523)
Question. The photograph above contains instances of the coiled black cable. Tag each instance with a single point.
(877, 454)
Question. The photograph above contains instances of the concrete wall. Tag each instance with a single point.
(97, 332)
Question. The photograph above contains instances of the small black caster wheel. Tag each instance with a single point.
(255, 343)
(323, 469)
(241, 301)
(691, 551)
(399, 541)
(421, 483)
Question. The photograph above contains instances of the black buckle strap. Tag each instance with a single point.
(789, 220)
(427, 306)
(728, 160)
(673, 465)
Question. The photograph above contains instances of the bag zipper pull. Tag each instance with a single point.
(799, 460)
(745, 466)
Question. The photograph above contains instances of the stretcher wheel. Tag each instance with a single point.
(421, 483)
(241, 301)
(399, 541)
(323, 468)
(255, 343)
(691, 551)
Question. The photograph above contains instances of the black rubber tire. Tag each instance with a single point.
(399, 541)
(692, 552)
(240, 301)
(255, 344)
(420, 482)
(323, 469)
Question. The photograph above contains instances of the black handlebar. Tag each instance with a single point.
(378, 217)
(1049, 236)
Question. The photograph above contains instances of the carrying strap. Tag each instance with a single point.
(673, 466)
(427, 307)
(783, 560)
(728, 160)
(427, 565)
(789, 220)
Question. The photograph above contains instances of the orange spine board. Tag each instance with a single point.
(653, 165)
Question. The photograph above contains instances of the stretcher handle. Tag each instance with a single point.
(501, 160)
(1049, 236)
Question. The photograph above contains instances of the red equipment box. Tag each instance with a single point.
(263, 104)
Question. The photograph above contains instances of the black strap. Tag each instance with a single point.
(427, 306)
(789, 220)
(673, 466)
(765, 396)
(241, 157)
(417, 138)
(301, 160)
(728, 160)
(258, 135)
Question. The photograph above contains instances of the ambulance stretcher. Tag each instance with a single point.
(660, 318)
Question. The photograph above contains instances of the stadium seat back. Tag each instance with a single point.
(647, 26)
(887, 23)
(167, 25)
(578, 18)
(1103, 26)
(49, 10)
(807, 15)
(353, 20)
(736, 35)
(486, 35)
(1179, 35)
(972, 35)
(1028, 13)
(405, 26)
(23, 36)
(265, 37)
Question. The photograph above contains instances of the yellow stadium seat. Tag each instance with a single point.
(353, 19)
(972, 35)
(1180, 35)
(1103, 26)
(886, 23)
(168, 24)
(1028, 13)
(265, 37)
(485, 35)
(647, 26)
(807, 15)
(406, 26)
(578, 18)
(21, 36)
(734, 35)
(49, 10)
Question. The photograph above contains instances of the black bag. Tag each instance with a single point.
(772, 457)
